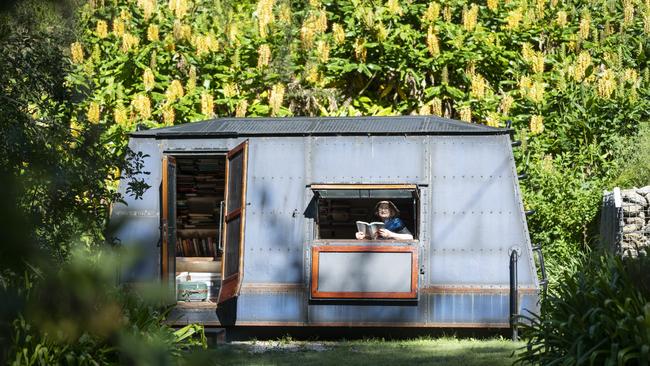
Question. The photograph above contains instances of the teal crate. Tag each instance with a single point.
(192, 291)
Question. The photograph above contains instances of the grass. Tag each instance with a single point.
(422, 351)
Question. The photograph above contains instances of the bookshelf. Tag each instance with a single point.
(200, 183)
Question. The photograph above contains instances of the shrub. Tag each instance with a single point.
(77, 315)
(599, 315)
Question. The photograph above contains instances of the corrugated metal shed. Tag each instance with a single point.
(322, 126)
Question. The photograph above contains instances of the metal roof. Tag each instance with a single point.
(321, 126)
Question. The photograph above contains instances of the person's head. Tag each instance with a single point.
(386, 210)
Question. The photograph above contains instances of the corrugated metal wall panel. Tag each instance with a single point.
(368, 160)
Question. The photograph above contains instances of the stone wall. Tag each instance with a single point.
(635, 236)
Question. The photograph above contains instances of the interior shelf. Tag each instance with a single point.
(198, 264)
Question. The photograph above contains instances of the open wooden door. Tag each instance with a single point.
(232, 264)
(168, 255)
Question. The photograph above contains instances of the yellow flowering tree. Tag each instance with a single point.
(572, 77)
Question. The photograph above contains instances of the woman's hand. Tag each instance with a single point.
(360, 235)
(387, 234)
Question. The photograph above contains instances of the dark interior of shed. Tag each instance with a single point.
(337, 216)
(200, 184)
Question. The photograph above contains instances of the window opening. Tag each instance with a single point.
(340, 209)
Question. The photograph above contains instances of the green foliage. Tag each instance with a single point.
(635, 161)
(77, 315)
(599, 315)
(572, 76)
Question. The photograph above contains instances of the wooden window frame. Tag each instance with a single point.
(322, 295)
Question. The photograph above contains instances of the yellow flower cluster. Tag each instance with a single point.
(547, 163)
(628, 12)
(119, 27)
(148, 7)
(125, 15)
(148, 79)
(152, 33)
(181, 31)
(360, 51)
(120, 116)
(466, 114)
(93, 112)
(233, 32)
(316, 23)
(492, 119)
(493, 4)
(537, 59)
(444, 75)
(394, 7)
(240, 110)
(630, 76)
(582, 63)
(527, 52)
(432, 13)
(101, 29)
(205, 44)
(513, 18)
(230, 90)
(506, 104)
(446, 13)
(479, 86)
(536, 124)
(276, 97)
(264, 15)
(382, 32)
(534, 90)
(561, 19)
(540, 5)
(285, 13)
(75, 128)
(200, 44)
(339, 33)
(169, 115)
(77, 53)
(585, 23)
(436, 106)
(367, 15)
(191, 82)
(263, 55)
(433, 44)
(607, 84)
(129, 42)
(207, 104)
(312, 74)
(323, 50)
(142, 105)
(470, 17)
(174, 91)
(179, 7)
(153, 60)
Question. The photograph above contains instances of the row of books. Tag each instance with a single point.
(200, 184)
(197, 247)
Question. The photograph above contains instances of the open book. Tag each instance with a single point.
(371, 230)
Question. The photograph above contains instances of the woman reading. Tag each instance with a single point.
(394, 227)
